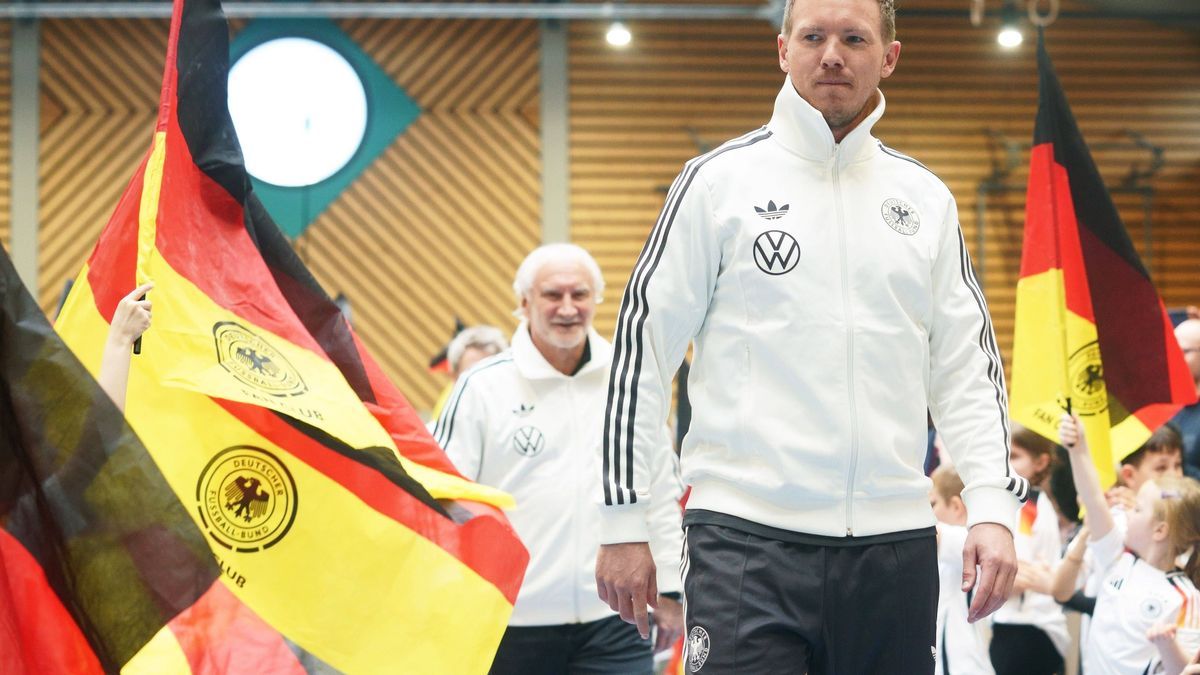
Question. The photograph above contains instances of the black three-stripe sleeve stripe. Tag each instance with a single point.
(444, 429)
(627, 360)
(987, 343)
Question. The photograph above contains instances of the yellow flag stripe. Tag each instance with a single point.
(148, 207)
(161, 656)
(1041, 370)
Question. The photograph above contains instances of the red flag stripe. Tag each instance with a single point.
(219, 635)
(476, 543)
(37, 634)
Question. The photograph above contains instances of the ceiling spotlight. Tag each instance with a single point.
(1009, 37)
(618, 35)
(1010, 26)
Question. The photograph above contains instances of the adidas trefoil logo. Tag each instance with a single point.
(523, 410)
(772, 212)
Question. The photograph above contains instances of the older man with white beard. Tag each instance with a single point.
(528, 421)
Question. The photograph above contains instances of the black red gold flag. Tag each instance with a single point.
(96, 551)
(1090, 327)
(345, 538)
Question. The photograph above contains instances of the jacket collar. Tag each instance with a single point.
(800, 128)
(533, 366)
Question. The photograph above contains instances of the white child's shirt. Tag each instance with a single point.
(1134, 597)
(1094, 574)
(962, 647)
(1037, 539)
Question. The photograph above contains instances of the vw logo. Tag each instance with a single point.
(776, 252)
(528, 441)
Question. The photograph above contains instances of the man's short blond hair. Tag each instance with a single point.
(887, 11)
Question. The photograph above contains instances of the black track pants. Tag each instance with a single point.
(761, 605)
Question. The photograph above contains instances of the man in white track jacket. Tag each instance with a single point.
(826, 285)
(528, 421)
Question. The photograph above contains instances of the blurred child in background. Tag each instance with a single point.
(961, 646)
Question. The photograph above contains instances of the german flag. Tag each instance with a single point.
(1091, 331)
(344, 537)
(96, 552)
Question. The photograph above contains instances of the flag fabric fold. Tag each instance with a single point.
(340, 529)
(1091, 331)
(96, 551)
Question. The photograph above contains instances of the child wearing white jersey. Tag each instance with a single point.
(1147, 617)
(961, 645)
(1078, 579)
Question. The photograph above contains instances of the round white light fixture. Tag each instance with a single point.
(1009, 37)
(299, 109)
(618, 35)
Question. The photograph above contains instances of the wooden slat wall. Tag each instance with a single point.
(939, 110)
(99, 84)
(634, 113)
(437, 226)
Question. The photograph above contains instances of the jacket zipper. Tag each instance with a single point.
(575, 507)
(849, 313)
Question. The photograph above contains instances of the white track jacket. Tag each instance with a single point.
(516, 423)
(831, 301)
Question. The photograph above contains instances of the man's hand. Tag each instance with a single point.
(625, 579)
(990, 546)
(668, 622)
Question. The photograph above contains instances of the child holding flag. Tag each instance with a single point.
(1147, 605)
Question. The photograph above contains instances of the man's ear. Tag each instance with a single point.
(890, 58)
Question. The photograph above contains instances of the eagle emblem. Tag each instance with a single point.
(1089, 395)
(245, 499)
(256, 362)
(900, 216)
(253, 361)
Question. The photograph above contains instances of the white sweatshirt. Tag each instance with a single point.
(831, 301)
(516, 423)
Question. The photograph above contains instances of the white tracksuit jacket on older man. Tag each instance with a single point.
(831, 299)
(516, 423)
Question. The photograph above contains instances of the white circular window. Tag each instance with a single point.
(299, 109)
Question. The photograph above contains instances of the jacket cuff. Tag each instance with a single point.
(668, 581)
(990, 505)
(622, 524)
